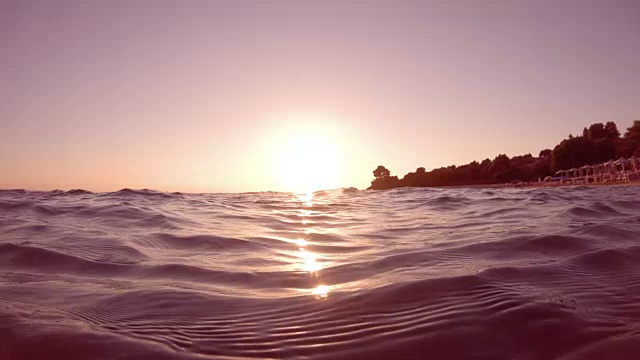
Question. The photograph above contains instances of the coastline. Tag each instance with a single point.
(520, 186)
(554, 185)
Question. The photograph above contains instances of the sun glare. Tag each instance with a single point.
(321, 292)
(307, 163)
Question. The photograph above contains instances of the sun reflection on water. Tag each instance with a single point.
(310, 264)
(309, 260)
(301, 242)
(321, 292)
(306, 199)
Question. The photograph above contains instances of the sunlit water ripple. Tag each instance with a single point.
(407, 273)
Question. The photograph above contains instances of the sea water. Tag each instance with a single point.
(459, 273)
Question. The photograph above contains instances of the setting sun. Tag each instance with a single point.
(306, 163)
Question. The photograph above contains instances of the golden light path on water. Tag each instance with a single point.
(308, 259)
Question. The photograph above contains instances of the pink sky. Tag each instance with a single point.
(196, 95)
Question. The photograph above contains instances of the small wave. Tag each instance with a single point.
(593, 210)
(501, 211)
(59, 192)
(48, 210)
(25, 257)
(204, 242)
(446, 199)
(350, 191)
(79, 192)
(626, 204)
(611, 258)
(516, 247)
(126, 192)
(10, 205)
(13, 192)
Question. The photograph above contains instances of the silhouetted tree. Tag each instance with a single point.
(596, 131)
(383, 179)
(625, 147)
(381, 172)
(500, 163)
(573, 152)
(605, 150)
(634, 131)
(545, 152)
(612, 130)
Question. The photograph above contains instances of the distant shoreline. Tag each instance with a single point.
(527, 186)
(599, 145)
(540, 185)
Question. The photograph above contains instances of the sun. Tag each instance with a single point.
(305, 163)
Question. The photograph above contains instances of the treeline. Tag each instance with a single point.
(598, 143)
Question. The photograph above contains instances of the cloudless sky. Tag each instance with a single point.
(196, 95)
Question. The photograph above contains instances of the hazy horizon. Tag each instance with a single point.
(239, 96)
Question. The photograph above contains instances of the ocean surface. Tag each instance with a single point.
(464, 273)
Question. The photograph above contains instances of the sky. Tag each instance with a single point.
(235, 96)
